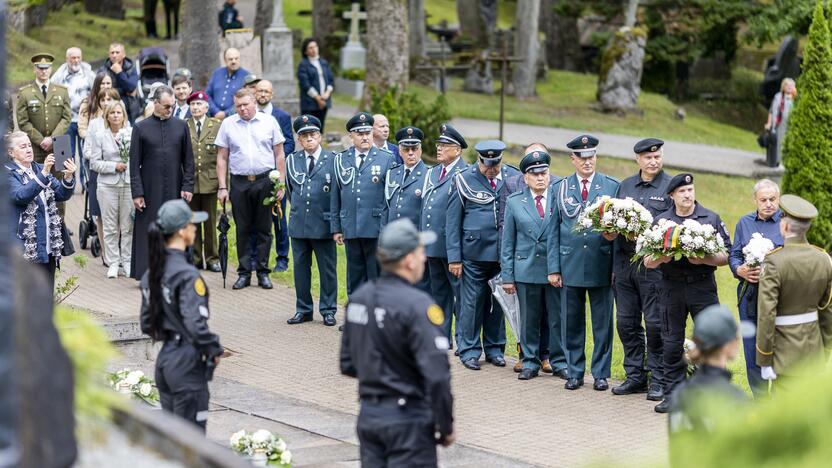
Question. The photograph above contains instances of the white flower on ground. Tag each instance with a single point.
(280, 445)
(261, 437)
(274, 175)
(286, 457)
(145, 389)
(134, 377)
(236, 438)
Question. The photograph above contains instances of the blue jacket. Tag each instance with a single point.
(475, 216)
(435, 197)
(584, 258)
(404, 197)
(285, 121)
(358, 196)
(523, 252)
(24, 190)
(310, 215)
(308, 78)
(394, 150)
(221, 89)
(124, 82)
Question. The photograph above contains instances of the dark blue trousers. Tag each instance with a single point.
(574, 329)
(540, 310)
(759, 387)
(362, 265)
(479, 313)
(444, 287)
(326, 258)
(281, 233)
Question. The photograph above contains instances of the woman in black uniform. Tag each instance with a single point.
(175, 310)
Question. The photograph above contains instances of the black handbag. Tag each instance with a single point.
(765, 139)
(68, 248)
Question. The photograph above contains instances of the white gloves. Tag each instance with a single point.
(768, 373)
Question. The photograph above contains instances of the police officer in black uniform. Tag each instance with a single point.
(688, 285)
(635, 286)
(175, 310)
(392, 343)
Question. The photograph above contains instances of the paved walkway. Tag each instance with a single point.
(500, 421)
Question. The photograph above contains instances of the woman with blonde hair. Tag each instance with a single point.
(778, 115)
(109, 159)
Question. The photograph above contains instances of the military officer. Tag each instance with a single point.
(310, 178)
(688, 285)
(524, 266)
(393, 345)
(437, 188)
(358, 203)
(585, 265)
(203, 131)
(474, 224)
(43, 108)
(635, 286)
(794, 313)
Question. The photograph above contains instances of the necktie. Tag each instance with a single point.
(198, 128)
(43, 89)
(311, 164)
(493, 184)
(539, 206)
(360, 161)
(406, 175)
(442, 175)
(584, 191)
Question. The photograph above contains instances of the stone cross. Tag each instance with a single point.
(354, 15)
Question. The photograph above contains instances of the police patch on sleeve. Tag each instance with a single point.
(199, 287)
(435, 315)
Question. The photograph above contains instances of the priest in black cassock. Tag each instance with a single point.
(161, 169)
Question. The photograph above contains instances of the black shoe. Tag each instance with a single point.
(527, 374)
(561, 374)
(215, 267)
(601, 385)
(456, 352)
(574, 384)
(299, 318)
(264, 281)
(498, 361)
(282, 265)
(472, 364)
(340, 328)
(329, 320)
(243, 281)
(629, 387)
(656, 393)
(663, 407)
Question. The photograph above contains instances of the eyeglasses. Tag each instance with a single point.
(444, 146)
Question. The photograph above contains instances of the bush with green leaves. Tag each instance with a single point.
(404, 108)
(807, 149)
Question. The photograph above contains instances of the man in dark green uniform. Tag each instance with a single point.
(43, 108)
(203, 130)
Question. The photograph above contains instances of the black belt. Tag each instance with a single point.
(398, 400)
(250, 178)
(173, 337)
(687, 278)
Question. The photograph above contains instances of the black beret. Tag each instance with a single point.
(646, 145)
(679, 180)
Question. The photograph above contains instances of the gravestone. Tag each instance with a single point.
(278, 61)
(478, 78)
(619, 80)
(354, 55)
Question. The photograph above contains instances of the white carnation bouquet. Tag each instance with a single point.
(670, 239)
(756, 250)
(262, 447)
(615, 216)
(136, 384)
(123, 141)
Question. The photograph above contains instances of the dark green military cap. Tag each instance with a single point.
(173, 215)
(399, 238)
(798, 208)
(42, 60)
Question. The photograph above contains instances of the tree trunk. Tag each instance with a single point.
(526, 47)
(323, 17)
(417, 28)
(388, 52)
(471, 24)
(630, 10)
(199, 49)
(563, 47)
(264, 16)
(108, 8)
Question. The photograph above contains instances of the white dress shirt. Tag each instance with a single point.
(250, 143)
(181, 112)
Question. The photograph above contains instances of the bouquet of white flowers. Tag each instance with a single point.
(135, 383)
(615, 216)
(669, 239)
(272, 200)
(123, 141)
(262, 447)
(757, 249)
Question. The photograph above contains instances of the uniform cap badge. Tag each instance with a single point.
(653, 148)
(687, 179)
(305, 118)
(444, 128)
(362, 117)
(491, 153)
(409, 131)
(584, 140)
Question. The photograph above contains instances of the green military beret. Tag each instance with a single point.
(798, 208)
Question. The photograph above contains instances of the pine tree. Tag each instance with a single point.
(807, 150)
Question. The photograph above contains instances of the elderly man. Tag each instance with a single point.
(635, 286)
(224, 82)
(358, 204)
(437, 189)
(250, 145)
(794, 323)
(585, 260)
(77, 76)
(161, 169)
(688, 285)
(381, 131)
(473, 229)
(765, 220)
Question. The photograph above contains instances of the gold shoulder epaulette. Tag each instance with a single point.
(774, 250)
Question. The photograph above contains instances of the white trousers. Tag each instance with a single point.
(117, 218)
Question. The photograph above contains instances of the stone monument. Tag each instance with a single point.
(354, 55)
(619, 80)
(278, 63)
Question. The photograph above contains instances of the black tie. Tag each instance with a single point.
(311, 164)
(198, 128)
(360, 161)
(406, 175)
(43, 89)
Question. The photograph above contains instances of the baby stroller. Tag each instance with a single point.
(154, 67)
(87, 230)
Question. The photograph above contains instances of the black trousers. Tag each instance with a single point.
(49, 269)
(361, 262)
(183, 387)
(680, 297)
(636, 296)
(396, 436)
(320, 114)
(150, 17)
(252, 217)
